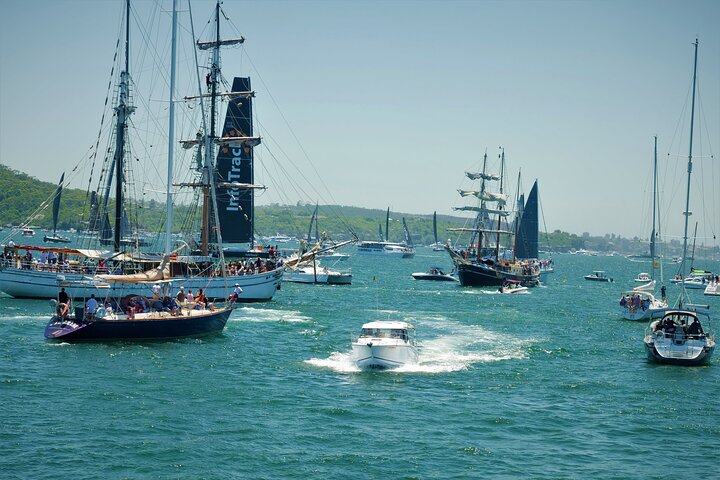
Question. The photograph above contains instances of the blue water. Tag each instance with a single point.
(550, 384)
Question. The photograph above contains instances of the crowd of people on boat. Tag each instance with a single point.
(634, 302)
(252, 267)
(672, 325)
(53, 261)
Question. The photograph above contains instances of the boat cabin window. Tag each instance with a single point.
(385, 333)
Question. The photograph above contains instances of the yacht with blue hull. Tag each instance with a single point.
(105, 325)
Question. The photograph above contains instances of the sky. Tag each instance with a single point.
(388, 103)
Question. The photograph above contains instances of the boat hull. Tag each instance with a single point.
(140, 328)
(687, 354)
(334, 278)
(372, 356)
(434, 276)
(55, 239)
(480, 275)
(44, 284)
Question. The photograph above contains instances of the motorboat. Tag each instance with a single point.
(435, 273)
(640, 304)
(315, 273)
(697, 280)
(28, 232)
(385, 248)
(331, 254)
(598, 276)
(643, 277)
(385, 344)
(678, 338)
(713, 288)
(512, 286)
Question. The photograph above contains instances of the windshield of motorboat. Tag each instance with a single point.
(385, 333)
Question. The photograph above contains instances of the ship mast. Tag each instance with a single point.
(687, 213)
(124, 109)
(500, 207)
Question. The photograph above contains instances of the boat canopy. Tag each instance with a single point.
(388, 324)
(95, 254)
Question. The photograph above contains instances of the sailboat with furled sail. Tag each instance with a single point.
(481, 264)
(640, 303)
(226, 193)
(677, 336)
(135, 317)
(55, 238)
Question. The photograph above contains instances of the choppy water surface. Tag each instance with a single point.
(550, 384)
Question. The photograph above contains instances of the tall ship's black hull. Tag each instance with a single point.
(481, 275)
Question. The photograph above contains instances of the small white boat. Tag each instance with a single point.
(386, 248)
(598, 276)
(512, 286)
(436, 274)
(28, 232)
(713, 288)
(385, 344)
(331, 254)
(697, 279)
(643, 277)
(678, 338)
(309, 273)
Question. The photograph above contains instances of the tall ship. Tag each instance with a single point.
(480, 263)
(221, 175)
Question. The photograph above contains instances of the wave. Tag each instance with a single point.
(266, 315)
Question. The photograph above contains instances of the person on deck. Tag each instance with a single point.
(91, 306)
(180, 297)
(236, 293)
(63, 303)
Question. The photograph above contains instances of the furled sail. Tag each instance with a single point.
(408, 238)
(485, 195)
(161, 272)
(471, 208)
(484, 176)
(94, 223)
(526, 244)
(56, 202)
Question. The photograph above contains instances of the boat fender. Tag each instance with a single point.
(369, 344)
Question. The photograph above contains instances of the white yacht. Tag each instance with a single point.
(385, 248)
(643, 277)
(640, 304)
(309, 273)
(678, 338)
(385, 344)
(512, 286)
(713, 288)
